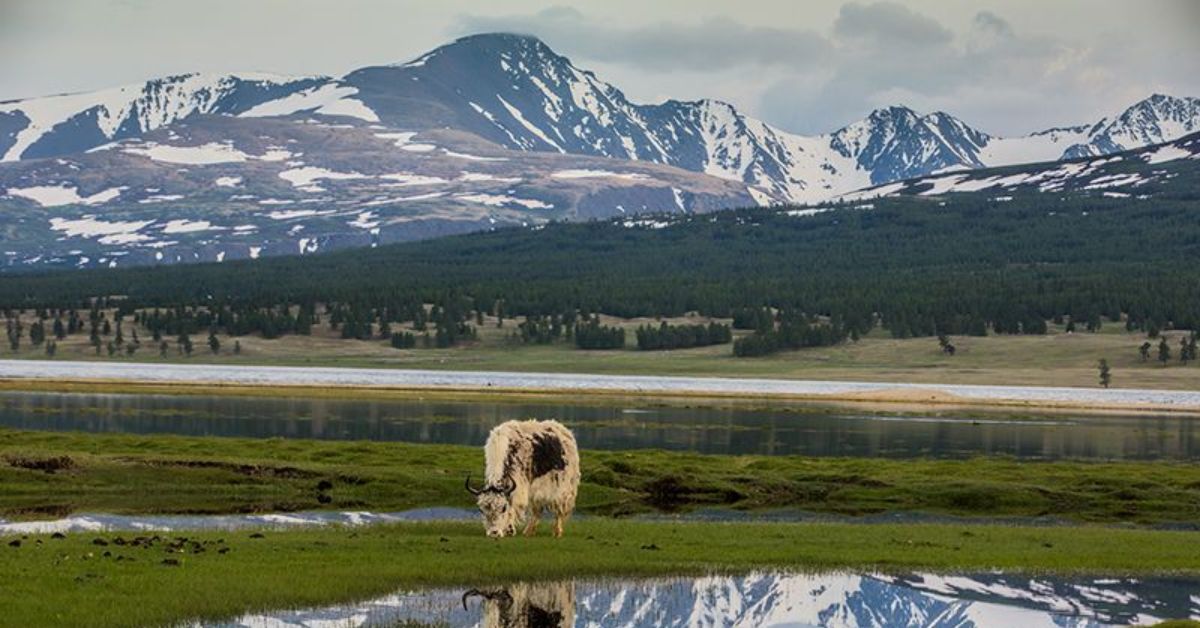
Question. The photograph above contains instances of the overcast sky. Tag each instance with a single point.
(1004, 66)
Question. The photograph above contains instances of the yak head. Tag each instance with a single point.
(495, 504)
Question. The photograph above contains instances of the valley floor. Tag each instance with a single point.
(103, 579)
(1057, 359)
(1088, 515)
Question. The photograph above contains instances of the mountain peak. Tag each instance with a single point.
(487, 45)
(893, 112)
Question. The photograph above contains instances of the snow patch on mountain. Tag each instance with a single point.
(502, 200)
(188, 226)
(307, 175)
(89, 226)
(595, 174)
(59, 195)
(130, 110)
(211, 153)
(330, 99)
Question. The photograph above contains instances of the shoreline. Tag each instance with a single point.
(81, 376)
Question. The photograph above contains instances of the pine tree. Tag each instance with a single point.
(237, 347)
(214, 344)
(1105, 373)
(1164, 351)
(1144, 351)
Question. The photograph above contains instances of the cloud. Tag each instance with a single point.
(715, 43)
(889, 24)
(990, 23)
(989, 71)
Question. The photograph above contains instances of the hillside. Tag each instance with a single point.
(914, 260)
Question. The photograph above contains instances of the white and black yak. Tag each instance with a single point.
(531, 466)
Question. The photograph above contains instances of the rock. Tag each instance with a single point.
(324, 499)
(58, 535)
(14, 543)
(99, 541)
(171, 562)
(324, 485)
(257, 535)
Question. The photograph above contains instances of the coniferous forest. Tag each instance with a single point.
(916, 267)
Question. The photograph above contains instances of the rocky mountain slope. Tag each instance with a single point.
(1167, 170)
(487, 130)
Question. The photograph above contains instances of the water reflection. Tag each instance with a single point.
(524, 605)
(726, 430)
(773, 599)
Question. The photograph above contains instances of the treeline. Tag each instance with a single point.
(593, 335)
(666, 336)
(794, 330)
(915, 268)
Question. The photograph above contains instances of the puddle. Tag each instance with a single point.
(170, 523)
(101, 522)
(772, 599)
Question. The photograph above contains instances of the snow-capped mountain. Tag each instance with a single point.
(486, 131)
(69, 123)
(1169, 169)
(518, 93)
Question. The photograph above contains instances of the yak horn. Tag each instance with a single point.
(487, 595)
(473, 491)
(471, 593)
(510, 485)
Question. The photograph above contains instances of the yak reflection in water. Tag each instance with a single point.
(523, 605)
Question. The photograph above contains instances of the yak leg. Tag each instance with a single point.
(535, 517)
(559, 519)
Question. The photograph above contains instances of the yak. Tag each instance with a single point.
(530, 466)
(541, 605)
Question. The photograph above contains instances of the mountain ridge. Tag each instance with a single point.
(516, 91)
(483, 132)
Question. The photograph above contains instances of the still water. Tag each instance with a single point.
(724, 430)
(774, 599)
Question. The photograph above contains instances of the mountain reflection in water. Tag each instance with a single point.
(774, 599)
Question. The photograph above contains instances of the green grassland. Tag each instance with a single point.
(119, 579)
(77, 582)
(46, 473)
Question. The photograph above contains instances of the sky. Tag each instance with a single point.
(808, 66)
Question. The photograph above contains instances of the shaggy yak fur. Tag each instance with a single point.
(531, 466)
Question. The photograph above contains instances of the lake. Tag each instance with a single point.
(768, 430)
(774, 599)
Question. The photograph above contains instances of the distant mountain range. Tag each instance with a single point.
(1170, 169)
(488, 130)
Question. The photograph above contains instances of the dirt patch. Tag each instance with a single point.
(45, 464)
(249, 470)
(670, 493)
(46, 511)
(904, 395)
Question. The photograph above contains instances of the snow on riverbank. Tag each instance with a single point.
(876, 391)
